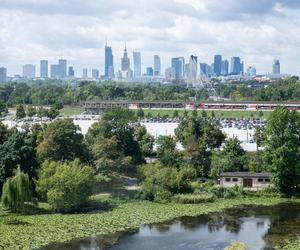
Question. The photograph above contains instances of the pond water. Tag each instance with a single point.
(258, 227)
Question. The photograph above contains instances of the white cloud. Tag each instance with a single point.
(258, 31)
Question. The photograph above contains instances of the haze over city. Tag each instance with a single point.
(257, 31)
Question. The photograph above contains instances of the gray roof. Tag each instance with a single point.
(246, 174)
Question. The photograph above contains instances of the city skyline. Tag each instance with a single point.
(257, 31)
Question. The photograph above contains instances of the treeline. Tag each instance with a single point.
(49, 93)
(282, 90)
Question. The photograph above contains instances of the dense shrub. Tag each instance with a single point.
(65, 185)
(222, 192)
(195, 198)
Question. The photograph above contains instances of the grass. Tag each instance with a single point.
(68, 111)
(218, 113)
(34, 231)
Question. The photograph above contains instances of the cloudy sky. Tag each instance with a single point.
(257, 30)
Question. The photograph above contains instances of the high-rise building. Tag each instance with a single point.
(109, 63)
(170, 73)
(125, 61)
(237, 67)
(29, 71)
(85, 73)
(225, 68)
(95, 73)
(217, 65)
(251, 71)
(63, 68)
(157, 65)
(137, 64)
(178, 66)
(149, 71)
(204, 69)
(276, 67)
(44, 69)
(71, 72)
(3, 75)
(55, 71)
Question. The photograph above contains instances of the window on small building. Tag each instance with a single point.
(267, 180)
(228, 179)
(260, 180)
(235, 179)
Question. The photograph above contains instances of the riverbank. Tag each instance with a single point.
(34, 231)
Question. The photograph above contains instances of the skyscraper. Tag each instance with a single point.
(149, 71)
(3, 75)
(125, 61)
(225, 68)
(178, 66)
(251, 71)
(218, 65)
(71, 72)
(95, 73)
(63, 68)
(236, 66)
(137, 64)
(157, 65)
(44, 69)
(204, 69)
(85, 73)
(276, 67)
(109, 63)
(55, 71)
(29, 71)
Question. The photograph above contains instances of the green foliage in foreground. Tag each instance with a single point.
(65, 185)
(194, 198)
(35, 231)
(16, 191)
(295, 245)
(237, 245)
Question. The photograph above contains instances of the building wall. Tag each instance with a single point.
(256, 184)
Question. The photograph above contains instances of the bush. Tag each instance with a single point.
(162, 196)
(227, 193)
(65, 185)
(194, 198)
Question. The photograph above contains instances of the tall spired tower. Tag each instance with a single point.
(125, 61)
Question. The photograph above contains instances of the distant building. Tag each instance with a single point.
(225, 68)
(157, 65)
(55, 71)
(149, 71)
(85, 73)
(237, 67)
(170, 73)
(204, 68)
(29, 71)
(109, 63)
(137, 64)
(276, 67)
(217, 65)
(71, 72)
(62, 68)
(125, 61)
(44, 69)
(95, 73)
(251, 71)
(3, 74)
(178, 66)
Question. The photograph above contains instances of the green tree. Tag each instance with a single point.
(62, 141)
(258, 136)
(282, 145)
(140, 113)
(16, 191)
(145, 140)
(175, 113)
(17, 150)
(167, 152)
(20, 112)
(53, 113)
(4, 133)
(119, 124)
(31, 111)
(65, 185)
(42, 112)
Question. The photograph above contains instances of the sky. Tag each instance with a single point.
(258, 31)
